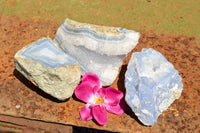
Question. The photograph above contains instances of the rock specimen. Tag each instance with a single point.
(98, 49)
(152, 84)
(49, 68)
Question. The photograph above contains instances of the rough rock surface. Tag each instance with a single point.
(152, 84)
(98, 49)
(49, 68)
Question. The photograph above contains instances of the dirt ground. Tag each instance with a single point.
(182, 51)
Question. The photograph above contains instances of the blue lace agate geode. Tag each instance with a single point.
(98, 49)
(49, 68)
(152, 84)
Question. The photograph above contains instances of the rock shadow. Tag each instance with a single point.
(121, 86)
(34, 88)
(121, 81)
(129, 112)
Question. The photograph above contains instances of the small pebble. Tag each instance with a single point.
(17, 106)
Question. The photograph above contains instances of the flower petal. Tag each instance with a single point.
(95, 89)
(117, 109)
(113, 96)
(100, 114)
(84, 91)
(92, 78)
(86, 113)
(101, 92)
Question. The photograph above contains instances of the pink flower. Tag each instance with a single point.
(99, 100)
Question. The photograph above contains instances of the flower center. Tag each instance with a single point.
(99, 100)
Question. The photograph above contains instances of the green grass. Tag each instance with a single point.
(162, 16)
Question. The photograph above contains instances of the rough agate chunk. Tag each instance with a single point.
(152, 84)
(98, 49)
(49, 68)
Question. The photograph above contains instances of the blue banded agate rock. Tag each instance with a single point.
(98, 49)
(49, 68)
(152, 84)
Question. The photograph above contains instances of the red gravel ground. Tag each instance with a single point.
(182, 116)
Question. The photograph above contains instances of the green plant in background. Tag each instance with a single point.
(168, 16)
